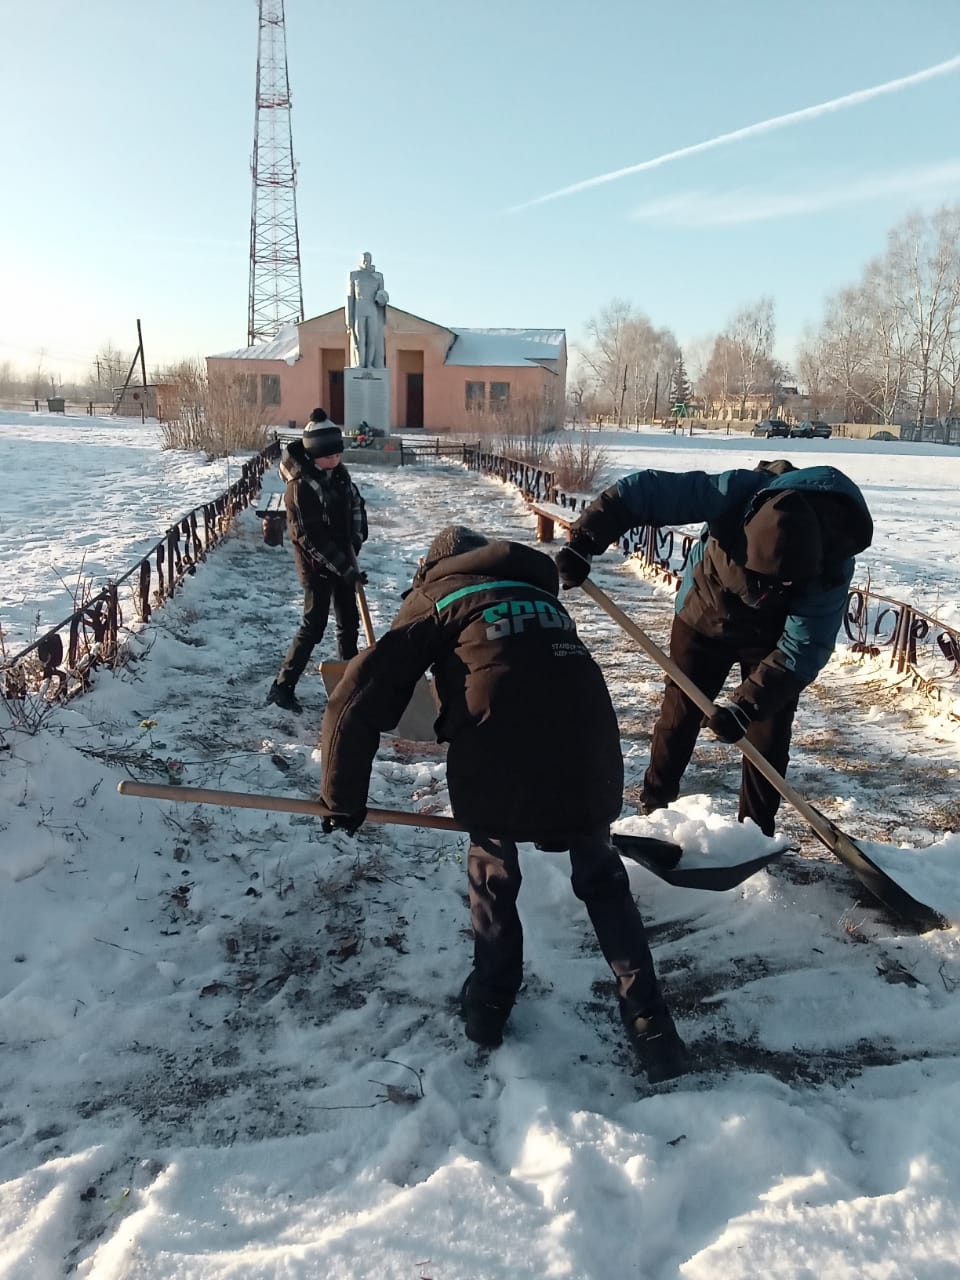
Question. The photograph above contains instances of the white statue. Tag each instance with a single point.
(366, 315)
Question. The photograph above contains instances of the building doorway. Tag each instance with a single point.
(414, 413)
(335, 396)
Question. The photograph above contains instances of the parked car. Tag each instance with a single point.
(884, 435)
(771, 427)
(811, 430)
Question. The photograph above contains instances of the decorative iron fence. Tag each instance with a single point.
(917, 646)
(53, 670)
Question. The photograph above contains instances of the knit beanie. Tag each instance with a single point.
(784, 539)
(321, 439)
(454, 540)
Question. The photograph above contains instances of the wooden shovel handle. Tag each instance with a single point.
(365, 614)
(362, 604)
(279, 804)
(821, 825)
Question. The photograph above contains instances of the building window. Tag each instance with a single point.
(270, 388)
(476, 397)
(247, 388)
(499, 395)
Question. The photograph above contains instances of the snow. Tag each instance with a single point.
(285, 346)
(502, 348)
(229, 1044)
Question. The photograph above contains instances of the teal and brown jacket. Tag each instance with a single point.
(797, 623)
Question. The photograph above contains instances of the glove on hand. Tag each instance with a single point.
(352, 575)
(573, 565)
(729, 722)
(348, 822)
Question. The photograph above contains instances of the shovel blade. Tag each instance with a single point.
(884, 888)
(416, 723)
(666, 861)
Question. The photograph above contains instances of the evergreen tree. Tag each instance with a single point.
(680, 389)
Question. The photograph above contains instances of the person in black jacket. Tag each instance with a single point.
(764, 590)
(514, 684)
(327, 522)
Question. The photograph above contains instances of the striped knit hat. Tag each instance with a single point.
(321, 437)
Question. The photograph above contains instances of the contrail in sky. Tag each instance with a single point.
(752, 131)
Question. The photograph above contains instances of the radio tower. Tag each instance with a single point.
(276, 290)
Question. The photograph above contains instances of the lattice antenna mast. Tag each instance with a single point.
(276, 289)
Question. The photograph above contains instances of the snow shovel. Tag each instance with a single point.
(659, 856)
(416, 723)
(872, 877)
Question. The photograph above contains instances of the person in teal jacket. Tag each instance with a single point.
(764, 589)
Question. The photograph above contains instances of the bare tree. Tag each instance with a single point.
(889, 344)
(752, 333)
(629, 360)
(923, 257)
(718, 382)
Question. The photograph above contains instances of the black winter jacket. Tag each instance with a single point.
(326, 516)
(534, 742)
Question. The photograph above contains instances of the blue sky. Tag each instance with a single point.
(422, 130)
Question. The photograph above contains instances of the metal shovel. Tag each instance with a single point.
(416, 723)
(897, 900)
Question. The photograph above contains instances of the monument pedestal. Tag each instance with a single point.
(366, 398)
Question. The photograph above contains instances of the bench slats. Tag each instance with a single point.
(274, 507)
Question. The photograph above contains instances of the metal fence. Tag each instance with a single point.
(54, 669)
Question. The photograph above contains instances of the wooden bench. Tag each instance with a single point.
(273, 515)
(550, 514)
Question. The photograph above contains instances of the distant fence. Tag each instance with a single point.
(54, 669)
(62, 405)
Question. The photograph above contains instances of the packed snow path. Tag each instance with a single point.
(225, 977)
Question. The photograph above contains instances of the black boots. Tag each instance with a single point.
(484, 1019)
(659, 1049)
(283, 696)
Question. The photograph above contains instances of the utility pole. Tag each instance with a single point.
(276, 290)
(137, 355)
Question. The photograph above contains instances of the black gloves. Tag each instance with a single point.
(729, 722)
(573, 562)
(348, 822)
(352, 575)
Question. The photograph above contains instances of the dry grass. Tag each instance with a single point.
(577, 467)
(215, 415)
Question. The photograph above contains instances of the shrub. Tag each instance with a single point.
(217, 415)
(518, 429)
(578, 466)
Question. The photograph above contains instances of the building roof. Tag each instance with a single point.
(285, 346)
(470, 347)
(505, 347)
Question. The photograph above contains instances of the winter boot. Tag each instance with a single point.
(283, 696)
(485, 1019)
(659, 1049)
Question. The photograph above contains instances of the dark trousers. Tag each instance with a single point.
(599, 881)
(708, 662)
(317, 595)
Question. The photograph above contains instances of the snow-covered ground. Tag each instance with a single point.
(229, 1044)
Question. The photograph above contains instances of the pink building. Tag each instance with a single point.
(441, 379)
